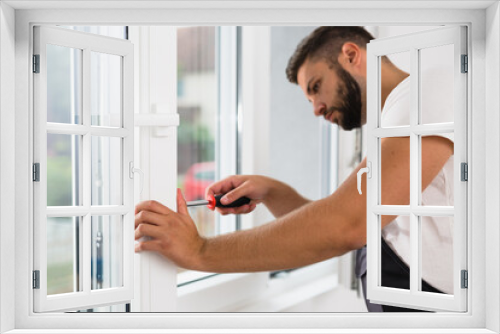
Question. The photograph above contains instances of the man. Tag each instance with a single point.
(330, 67)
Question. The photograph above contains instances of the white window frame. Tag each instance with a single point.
(85, 297)
(414, 297)
(157, 114)
(482, 316)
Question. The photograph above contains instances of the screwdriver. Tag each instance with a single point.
(214, 202)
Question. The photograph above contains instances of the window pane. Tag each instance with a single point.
(439, 191)
(106, 88)
(388, 171)
(436, 251)
(63, 161)
(62, 254)
(107, 252)
(64, 84)
(106, 171)
(391, 115)
(197, 107)
(110, 31)
(395, 252)
(436, 84)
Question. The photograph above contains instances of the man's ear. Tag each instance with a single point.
(351, 58)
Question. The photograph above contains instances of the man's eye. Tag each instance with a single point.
(315, 88)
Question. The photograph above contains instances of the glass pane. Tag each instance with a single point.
(197, 106)
(396, 105)
(62, 255)
(436, 84)
(395, 252)
(106, 89)
(110, 31)
(394, 175)
(64, 84)
(63, 170)
(436, 249)
(106, 309)
(439, 190)
(107, 252)
(106, 171)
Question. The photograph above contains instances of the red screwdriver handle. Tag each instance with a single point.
(214, 202)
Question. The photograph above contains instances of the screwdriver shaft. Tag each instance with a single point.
(197, 203)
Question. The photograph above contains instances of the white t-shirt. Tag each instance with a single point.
(437, 232)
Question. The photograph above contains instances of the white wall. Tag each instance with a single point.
(491, 167)
(294, 145)
(7, 159)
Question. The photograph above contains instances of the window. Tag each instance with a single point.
(204, 72)
(83, 200)
(207, 62)
(482, 314)
(428, 219)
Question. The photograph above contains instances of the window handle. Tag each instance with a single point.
(368, 171)
(133, 170)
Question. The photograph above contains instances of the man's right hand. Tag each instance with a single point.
(278, 197)
(254, 187)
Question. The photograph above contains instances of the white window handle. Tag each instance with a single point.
(368, 171)
(133, 170)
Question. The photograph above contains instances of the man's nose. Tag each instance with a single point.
(319, 108)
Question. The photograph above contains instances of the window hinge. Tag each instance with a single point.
(465, 279)
(36, 172)
(465, 171)
(36, 279)
(465, 64)
(36, 63)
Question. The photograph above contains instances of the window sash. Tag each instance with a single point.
(86, 297)
(413, 298)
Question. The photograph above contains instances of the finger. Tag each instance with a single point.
(181, 203)
(146, 230)
(148, 217)
(234, 194)
(243, 209)
(225, 212)
(150, 245)
(152, 206)
(223, 186)
(247, 208)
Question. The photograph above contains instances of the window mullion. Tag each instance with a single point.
(86, 248)
(414, 172)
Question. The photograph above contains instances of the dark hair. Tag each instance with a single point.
(325, 43)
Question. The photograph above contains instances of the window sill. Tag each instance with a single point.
(283, 300)
(260, 330)
(219, 292)
(256, 292)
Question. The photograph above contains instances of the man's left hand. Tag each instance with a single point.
(172, 234)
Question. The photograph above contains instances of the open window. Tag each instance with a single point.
(428, 116)
(83, 150)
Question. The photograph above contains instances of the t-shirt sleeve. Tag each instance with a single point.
(436, 103)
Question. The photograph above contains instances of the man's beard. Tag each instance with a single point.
(349, 93)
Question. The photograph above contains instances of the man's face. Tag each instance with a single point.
(333, 92)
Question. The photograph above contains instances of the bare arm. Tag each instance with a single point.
(318, 230)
